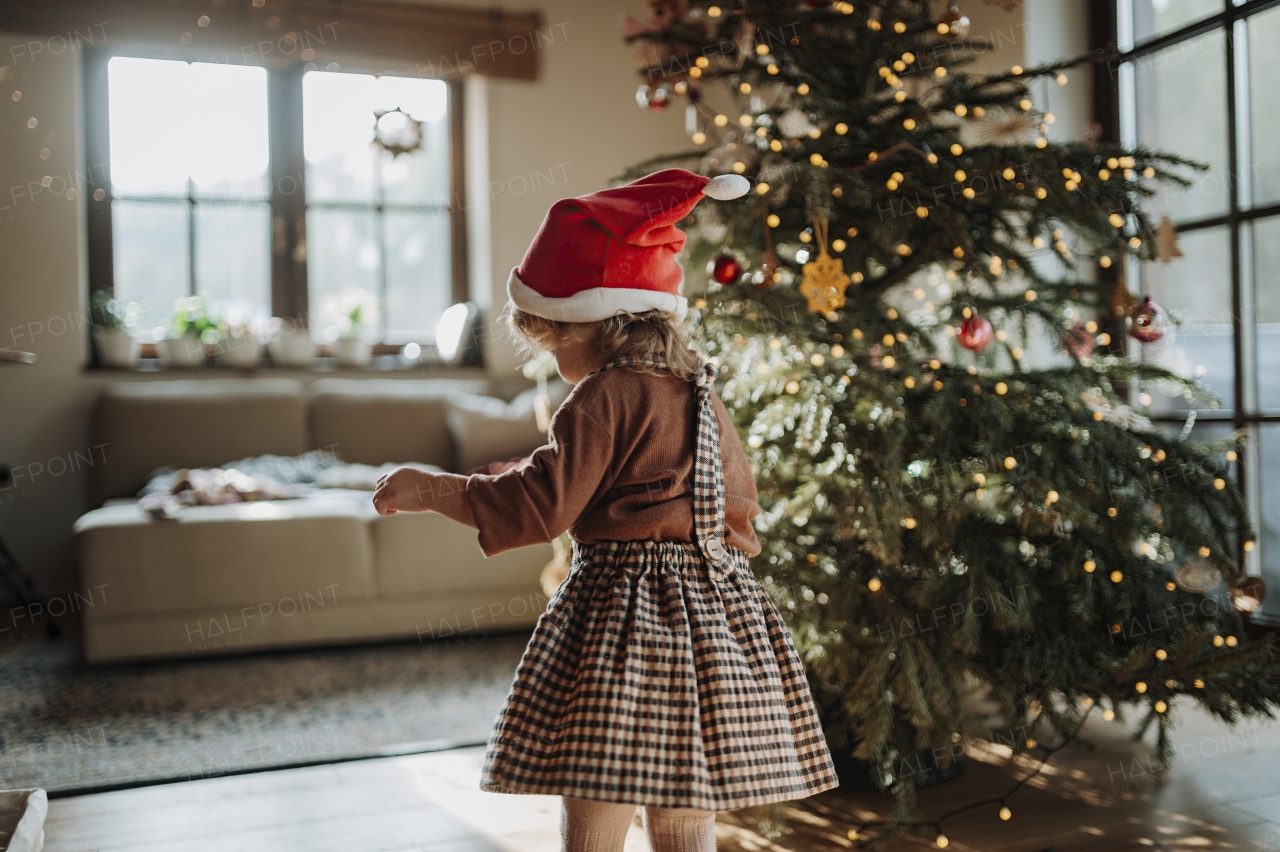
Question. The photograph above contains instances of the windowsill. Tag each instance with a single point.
(378, 365)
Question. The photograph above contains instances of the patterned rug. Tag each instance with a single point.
(65, 726)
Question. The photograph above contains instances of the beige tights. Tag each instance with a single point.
(589, 826)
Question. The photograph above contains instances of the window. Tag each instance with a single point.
(376, 221)
(190, 184)
(1197, 77)
(263, 190)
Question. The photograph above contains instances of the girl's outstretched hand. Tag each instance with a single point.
(408, 489)
(404, 489)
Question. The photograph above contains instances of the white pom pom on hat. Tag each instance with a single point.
(726, 187)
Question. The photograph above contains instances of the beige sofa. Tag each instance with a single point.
(325, 568)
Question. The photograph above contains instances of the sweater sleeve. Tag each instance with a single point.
(543, 496)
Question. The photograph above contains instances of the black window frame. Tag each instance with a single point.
(290, 297)
(1245, 413)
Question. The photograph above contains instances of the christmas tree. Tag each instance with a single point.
(939, 508)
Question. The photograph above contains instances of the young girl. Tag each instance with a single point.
(661, 674)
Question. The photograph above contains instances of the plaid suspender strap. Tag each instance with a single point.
(708, 472)
(708, 477)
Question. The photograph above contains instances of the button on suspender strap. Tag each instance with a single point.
(708, 475)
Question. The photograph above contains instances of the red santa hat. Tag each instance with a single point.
(614, 251)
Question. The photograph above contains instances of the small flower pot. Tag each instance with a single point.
(185, 351)
(352, 351)
(116, 346)
(244, 351)
(293, 347)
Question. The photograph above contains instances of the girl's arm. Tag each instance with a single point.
(408, 489)
(541, 498)
(450, 500)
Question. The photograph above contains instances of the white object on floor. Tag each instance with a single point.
(22, 814)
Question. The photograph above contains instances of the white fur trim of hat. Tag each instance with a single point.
(595, 304)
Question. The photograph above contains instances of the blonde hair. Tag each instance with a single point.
(652, 335)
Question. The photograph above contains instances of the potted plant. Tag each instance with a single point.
(350, 317)
(113, 322)
(290, 344)
(192, 326)
(239, 344)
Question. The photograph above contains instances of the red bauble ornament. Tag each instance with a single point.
(974, 333)
(1077, 341)
(1147, 321)
(655, 98)
(725, 269)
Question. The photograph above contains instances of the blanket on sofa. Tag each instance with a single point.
(268, 477)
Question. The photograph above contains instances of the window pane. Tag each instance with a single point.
(233, 258)
(171, 121)
(1264, 114)
(1168, 83)
(147, 103)
(1266, 309)
(228, 131)
(342, 162)
(423, 176)
(1156, 17)
(1268, 514)
(152, 263)
(418, 274)
(1203, 431)
(1196, 287)
(342, 253)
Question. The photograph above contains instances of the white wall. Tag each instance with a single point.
(43, 407)
(579, 122)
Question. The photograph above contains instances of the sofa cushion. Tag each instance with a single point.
(147, 425)
(386, 420)
(231, 557)
(417, 553)
(486, 429)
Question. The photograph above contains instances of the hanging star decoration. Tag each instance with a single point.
(1007, 127)
(1167, 240)
(396, 132)
(824, 280)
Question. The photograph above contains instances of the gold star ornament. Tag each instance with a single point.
(824, 280)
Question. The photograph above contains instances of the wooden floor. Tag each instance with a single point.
(1223, 793)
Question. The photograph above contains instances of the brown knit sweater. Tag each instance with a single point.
(618, 466)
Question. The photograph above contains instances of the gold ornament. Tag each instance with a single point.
(1007, 127)
(1122, 301)
(1167, 240)
(1198, 577)
(824, 280)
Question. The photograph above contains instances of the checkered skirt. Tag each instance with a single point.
(662, 674)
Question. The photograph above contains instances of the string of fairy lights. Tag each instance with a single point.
(1005, 813)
